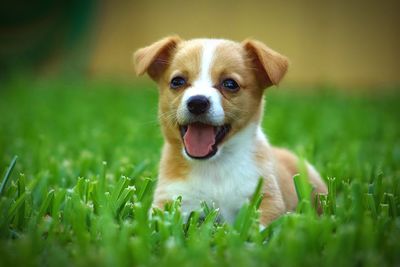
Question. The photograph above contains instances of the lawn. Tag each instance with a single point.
(80, 191)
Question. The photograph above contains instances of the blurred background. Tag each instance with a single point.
(348, 44)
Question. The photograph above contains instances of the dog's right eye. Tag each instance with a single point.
(177, 82)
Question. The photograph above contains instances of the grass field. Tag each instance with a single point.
(80, 191)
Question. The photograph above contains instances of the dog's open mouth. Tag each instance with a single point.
(201, 140)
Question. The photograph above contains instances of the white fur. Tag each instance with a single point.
(204, 86)
(226, 181)
(209, 47)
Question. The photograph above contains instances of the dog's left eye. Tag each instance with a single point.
(230, 85)
(177, 82)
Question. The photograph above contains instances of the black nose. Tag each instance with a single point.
(198, 104)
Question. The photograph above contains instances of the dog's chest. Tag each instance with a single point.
(226, 186)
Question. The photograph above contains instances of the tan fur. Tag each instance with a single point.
(153, 59)
(270, 65)
(254, 66)
(287, 167)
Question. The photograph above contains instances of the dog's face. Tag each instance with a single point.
(209, 88)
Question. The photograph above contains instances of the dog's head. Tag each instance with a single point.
(209, 88)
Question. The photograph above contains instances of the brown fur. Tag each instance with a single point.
(270, 65)
(154, 59)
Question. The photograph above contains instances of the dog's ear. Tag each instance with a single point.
(270, 65)
(154, 58)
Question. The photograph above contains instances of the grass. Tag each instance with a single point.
(81, 188)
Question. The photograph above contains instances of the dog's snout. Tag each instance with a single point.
(198, 104)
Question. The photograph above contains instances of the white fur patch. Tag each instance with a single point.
(209, 47)
(204, 86)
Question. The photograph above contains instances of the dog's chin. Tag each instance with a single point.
(219, 135)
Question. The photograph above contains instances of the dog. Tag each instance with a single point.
(210, 111)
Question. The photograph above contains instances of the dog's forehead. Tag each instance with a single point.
(204, 56)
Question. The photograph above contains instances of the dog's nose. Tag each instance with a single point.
(198, 104)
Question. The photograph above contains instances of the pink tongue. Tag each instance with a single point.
(199, 139)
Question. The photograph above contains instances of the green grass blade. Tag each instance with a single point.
(7, 174)
(46, 204)
(16, 206)
(21, 191)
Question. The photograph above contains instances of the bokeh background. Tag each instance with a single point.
(349, 44)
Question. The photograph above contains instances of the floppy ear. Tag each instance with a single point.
(270, 65)
(154, 58)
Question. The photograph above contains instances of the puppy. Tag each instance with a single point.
(210, 110)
